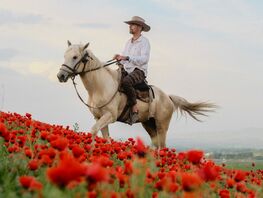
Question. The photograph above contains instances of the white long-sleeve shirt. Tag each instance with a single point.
(139, 54)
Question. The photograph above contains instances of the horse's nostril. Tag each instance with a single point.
(61, 77)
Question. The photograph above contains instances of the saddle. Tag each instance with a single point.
(144, 92)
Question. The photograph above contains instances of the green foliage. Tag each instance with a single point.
(76, 127)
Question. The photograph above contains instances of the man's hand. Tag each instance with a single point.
(120, 57)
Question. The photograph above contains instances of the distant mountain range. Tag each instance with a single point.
(240, 139)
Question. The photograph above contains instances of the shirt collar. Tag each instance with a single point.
(137, 40)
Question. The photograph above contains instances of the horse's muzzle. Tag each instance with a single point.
(62, 77)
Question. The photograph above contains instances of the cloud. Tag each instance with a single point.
(235, 19)
(47, 69)
(7, 17)
(7, 53)
(94, 25)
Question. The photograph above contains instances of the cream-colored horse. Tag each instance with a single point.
(107, 103)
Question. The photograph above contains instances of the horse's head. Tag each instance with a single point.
(75, 59)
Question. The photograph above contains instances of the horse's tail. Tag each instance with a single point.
(193, 109)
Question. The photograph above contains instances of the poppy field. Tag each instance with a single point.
(43, 160)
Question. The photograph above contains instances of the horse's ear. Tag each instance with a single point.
(85, 46)
(69, 43)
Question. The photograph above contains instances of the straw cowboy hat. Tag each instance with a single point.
(139, 21)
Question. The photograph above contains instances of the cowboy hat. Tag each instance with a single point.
(139, 21)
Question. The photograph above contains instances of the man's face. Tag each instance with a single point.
(134, 28)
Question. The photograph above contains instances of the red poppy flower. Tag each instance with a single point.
(128, 169)
(28, 153)
(3, 132)
(195, 156)
(181, 156)
(241, 187)
(240, 175)
(155, 195)
(91, 194)
(21, 140)
(96, 173)
(224, 193)
(25, 181)
(28, 115)
(30, 182)
(51, 152)
(33, 165)
(230, 183)
(162, 153)
(13, 149)
(140, 147)
(77, 151)
(159, 185)
(36, 185)
(129, 194)
(3, 129)
(45, 159)
(28, 123)
(190, 181)
(67, 170)
(173, 187)
(123, 179)
(60, 143)
(44, 135)
(102, 160)
(209, 172)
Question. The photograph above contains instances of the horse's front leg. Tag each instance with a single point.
(105, 132)
(101, 123)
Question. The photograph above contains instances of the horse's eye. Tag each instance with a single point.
(75, 57)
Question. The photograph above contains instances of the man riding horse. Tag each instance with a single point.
(134, 60)
(105, 100)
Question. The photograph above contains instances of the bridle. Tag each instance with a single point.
(84, 59)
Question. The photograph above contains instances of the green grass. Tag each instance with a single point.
(244, 165)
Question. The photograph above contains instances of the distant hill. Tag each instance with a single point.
(245, 138)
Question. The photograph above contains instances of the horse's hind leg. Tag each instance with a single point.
(150, 127)
(162, 128)
(161, 134)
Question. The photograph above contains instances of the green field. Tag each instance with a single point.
(244, 165)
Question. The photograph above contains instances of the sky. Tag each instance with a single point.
(207, 50)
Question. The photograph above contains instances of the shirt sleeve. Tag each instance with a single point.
(144, 57)
(124, 52)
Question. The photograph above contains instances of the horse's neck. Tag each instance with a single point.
(102, 82)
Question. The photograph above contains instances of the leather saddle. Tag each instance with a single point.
(142, 91)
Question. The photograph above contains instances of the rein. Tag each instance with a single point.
(84, 60)
(110, 62)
